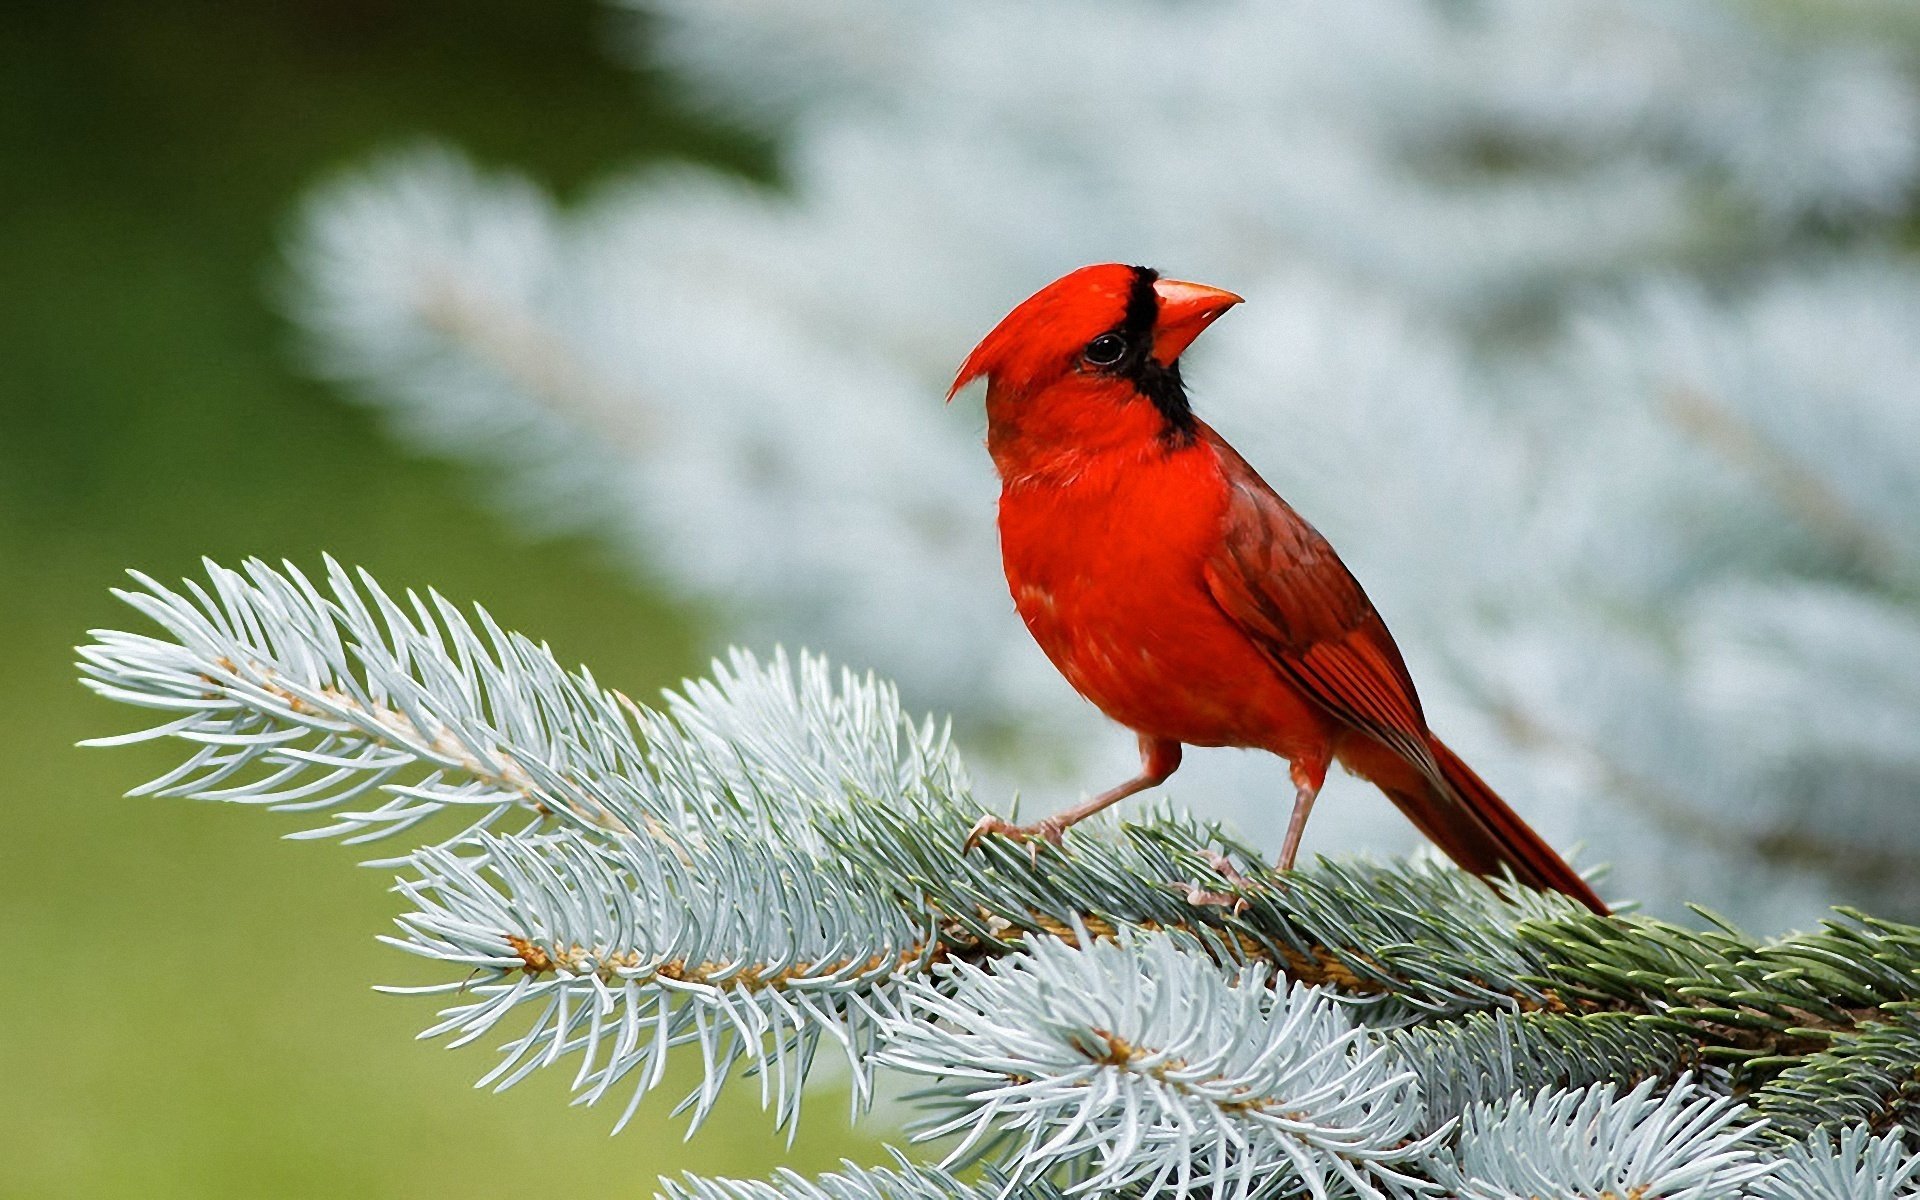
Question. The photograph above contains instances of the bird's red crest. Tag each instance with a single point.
(1045, 332)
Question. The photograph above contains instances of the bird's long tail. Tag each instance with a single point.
(1474, 827)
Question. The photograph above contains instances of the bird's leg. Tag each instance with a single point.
(1308, 776)
(1303, 799)
(1158, 759)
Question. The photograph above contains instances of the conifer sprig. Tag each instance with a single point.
(769, 864)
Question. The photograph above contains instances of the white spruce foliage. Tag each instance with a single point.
(1141, 1060)
(1855, 1165)
(769, 865)
(1682, 1144)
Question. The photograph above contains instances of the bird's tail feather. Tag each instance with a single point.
(1474, 827)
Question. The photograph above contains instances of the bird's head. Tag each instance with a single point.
(1094, 355)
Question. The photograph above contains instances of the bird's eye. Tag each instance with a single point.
(1105, 350)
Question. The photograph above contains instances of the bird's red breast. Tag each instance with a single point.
(1107, 567)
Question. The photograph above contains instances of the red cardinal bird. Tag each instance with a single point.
(1182, 596)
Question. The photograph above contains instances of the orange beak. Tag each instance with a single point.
(1185, 310)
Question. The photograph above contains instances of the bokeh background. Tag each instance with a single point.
(1584, 328)
(194, 1015)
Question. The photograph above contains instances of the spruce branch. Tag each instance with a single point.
(1682, 1144)
(746, 950)
(1749, 1002)
(769, 864)
(310, 700)
(1870, 1076)
(904, 1182)
(1855, 1165)
(1483, 1058)
(1140, 1060)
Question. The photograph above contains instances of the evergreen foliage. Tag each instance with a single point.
(769, 865)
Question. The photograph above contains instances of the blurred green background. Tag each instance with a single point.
(187, 1008)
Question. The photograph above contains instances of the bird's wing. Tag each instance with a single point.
(1277, 579)
(1282, 584)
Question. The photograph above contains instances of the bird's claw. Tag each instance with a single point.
(1047, 831)
(1197, 895)
(1223, 866)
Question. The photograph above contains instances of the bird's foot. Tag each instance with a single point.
(1049, 830)
(1197, 896)
(1223, 866)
